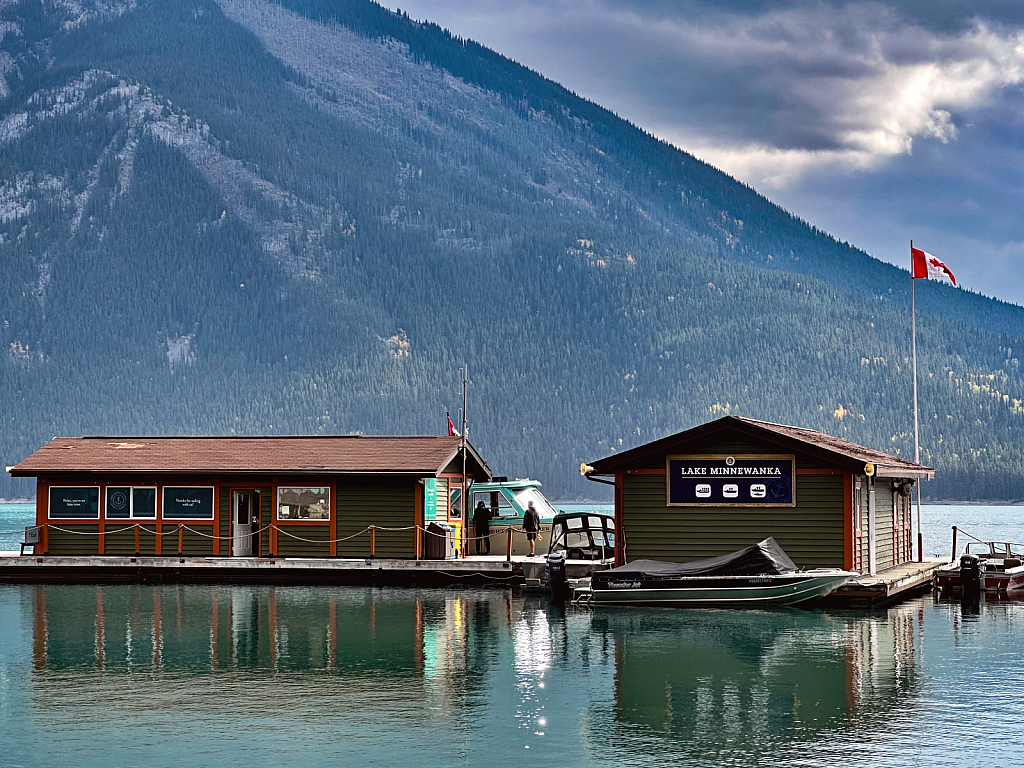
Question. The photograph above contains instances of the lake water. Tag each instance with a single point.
(247, 675)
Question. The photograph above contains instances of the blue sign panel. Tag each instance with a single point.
(731, 481)
(184, 503)
(74, 502)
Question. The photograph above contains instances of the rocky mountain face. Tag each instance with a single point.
(246, 216)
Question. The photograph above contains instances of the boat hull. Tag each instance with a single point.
(1007, 580)
(737, 591)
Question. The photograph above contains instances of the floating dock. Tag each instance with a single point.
(63, 569)
(885, 587)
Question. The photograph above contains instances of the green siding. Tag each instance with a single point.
(123, 541)
(82, 540)
(811, 533)
(225, 519)
(317, 544)
(267, 502)
(883, 524)
(390, 503)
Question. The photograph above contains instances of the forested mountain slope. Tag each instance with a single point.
(255, 217)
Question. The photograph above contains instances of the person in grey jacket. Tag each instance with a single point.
(531, 524)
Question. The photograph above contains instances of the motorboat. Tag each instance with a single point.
(998, 566)
(581, 543)
(507, 501)
(760, 575)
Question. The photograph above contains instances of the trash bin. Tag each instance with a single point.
(439, 542)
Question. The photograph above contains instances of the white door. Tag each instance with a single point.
(241, 524)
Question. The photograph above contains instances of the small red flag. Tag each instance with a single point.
(452, 431)
(926, 265)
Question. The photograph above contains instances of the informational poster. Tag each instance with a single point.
(71, 502)
(188, 503)
(430, 498)
(731, 481)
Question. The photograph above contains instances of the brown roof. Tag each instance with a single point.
(794, 438)
(357, 454)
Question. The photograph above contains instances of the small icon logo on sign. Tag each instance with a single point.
(730, 491)
(703, 491)
(758, 491)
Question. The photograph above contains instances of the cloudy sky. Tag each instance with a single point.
(877, 122)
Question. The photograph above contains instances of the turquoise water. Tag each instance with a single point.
(240, 675)
(246, 675)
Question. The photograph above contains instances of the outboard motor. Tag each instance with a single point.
(555, 572)
(972, 578)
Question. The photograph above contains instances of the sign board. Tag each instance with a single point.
(430, 498)
(731, 481)
(74, 502)
(188, 503)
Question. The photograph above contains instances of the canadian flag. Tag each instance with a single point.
(452, 431)
(926, 265)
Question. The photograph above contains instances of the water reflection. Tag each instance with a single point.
(387, 672)
(720, 683)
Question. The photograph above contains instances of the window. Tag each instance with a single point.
(188, 502)
(70, 502)
(496, 502)
(295, 503)
(128, 502)
(544, 508)
(455, 503)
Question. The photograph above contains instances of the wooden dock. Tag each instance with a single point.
(476, 571)
(885, 587)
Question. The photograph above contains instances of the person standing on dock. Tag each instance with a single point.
(482, 523)
(531, 524)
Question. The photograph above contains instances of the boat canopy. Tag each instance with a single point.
(764, 558)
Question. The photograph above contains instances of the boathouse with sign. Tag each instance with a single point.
(732, 482)
(316, 496)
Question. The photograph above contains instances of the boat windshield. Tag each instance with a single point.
(544, 508)
(583, 537)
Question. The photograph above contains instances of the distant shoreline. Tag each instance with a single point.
(936, 502)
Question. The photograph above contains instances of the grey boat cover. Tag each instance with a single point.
(764, 558)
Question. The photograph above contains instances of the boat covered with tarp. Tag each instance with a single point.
(759, 575)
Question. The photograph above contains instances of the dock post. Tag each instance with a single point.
(373, 541)
(952, 559)
(508, 552)
(137, 550)
(181, 536)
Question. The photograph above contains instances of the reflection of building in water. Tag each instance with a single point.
(737, 679)
(433, 647)
(127, 628)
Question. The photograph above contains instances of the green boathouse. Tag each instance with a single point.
(307, 496)
(729, 483)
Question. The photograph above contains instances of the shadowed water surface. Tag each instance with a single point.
(195, 675)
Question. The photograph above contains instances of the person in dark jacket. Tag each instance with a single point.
(531, 524)
(482, 522)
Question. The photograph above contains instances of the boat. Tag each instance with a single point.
(760, 575)
(581, 543)
(997, 565)
(507, 500)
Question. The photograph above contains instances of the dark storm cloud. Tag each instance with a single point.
(798, 97)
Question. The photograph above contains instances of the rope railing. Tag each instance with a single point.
(170, 529)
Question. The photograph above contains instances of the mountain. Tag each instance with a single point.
(302, 216)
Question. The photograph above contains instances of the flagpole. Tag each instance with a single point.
(465, 487)
(917, 446)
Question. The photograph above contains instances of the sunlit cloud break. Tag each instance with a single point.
(864, 87)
